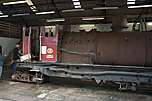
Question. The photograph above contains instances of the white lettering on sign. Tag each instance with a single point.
(51, 56)
(43, 49)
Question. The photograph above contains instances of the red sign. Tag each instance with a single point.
(48, 49)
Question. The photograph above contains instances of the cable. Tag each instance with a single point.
(77, 53)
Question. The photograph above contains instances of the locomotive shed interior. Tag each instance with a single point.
(100, 40)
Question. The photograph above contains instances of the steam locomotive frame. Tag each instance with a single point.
(85, 55)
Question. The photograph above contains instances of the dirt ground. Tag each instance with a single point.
(63, 90)
(16, 91)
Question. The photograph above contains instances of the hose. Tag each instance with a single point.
(77, 53)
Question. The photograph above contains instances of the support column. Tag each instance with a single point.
(119, 23)
(42, 30)
(66, 28)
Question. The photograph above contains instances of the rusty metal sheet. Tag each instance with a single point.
(107, 48)
(79, 47)
(131, 49)
(119, 48)
(148, 49)
(123, 48)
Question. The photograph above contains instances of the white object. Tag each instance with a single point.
(140, 6)
(130, 3)
(25, 57)
(15, 2)
(76, 3)
(101, 8)
(44, 48)
(75, 0)
(77, 6)
(1, 13)
(41, 13)
(3, 16)
(72, 10)
(24, 14)
(43, 95)
(149, 23)
(131, 0)
(56, 20)
(92, 19)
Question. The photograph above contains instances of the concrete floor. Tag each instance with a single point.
(15, 91)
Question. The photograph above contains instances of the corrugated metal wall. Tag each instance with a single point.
(10, 30)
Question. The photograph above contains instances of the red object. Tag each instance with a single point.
(48, 49)
(26, 45)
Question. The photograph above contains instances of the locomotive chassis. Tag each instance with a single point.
(126, 77)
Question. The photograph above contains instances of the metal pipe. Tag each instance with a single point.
(29, 40)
